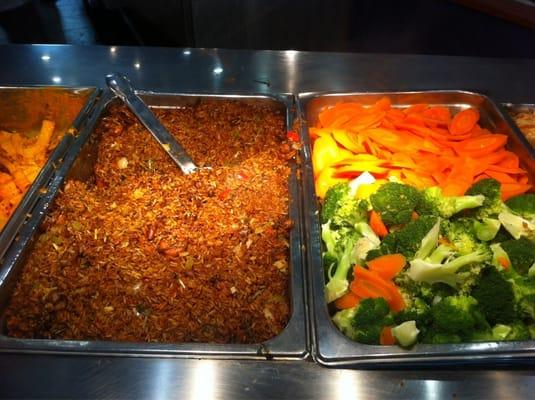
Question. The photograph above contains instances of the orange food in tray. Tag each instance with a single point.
(21, 159)
(422, 145)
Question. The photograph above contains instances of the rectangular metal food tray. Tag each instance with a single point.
(291, 343)
(22, 110)
(329, 346)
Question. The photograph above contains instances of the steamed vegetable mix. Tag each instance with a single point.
(428, 232)
(422, 145)
(406, 265)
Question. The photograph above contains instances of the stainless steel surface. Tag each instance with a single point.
(22, 109)
(217, 71)
(121, 86)
(331, 346)
(79, 165)
(137, 378)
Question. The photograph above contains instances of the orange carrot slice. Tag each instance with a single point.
(481, 145)
(464, 121)
(387, 266)
(377, 224)
(348, 300)
(387, 338)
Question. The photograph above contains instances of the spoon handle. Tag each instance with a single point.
(121, 86)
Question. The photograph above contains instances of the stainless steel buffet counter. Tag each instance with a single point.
(227, 71)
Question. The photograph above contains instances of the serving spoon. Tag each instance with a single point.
(121, 86)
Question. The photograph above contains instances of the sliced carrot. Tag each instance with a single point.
(395, 114)
(416, 119)
(386, 123)
(481, 145)
(438, 113)
(514, 189)
(387, 266)
(504, 262)
(464, 121)
(326, 117)
(364, 121)
(395, 300)
(415, 108)
(387, 338)
(348, 300)
(510, 160)
(348, 140)
(500, 176)
(383, 104)
(366, 289)
(507, 170)
(421, 145)
(377, 224)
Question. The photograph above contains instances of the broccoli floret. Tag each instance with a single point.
(524, 292)
(407, 240)
(497, 333)
(500, 259)
(429, 241)
(494, 295)
(343, 320)
(435, 203)
(461, 235)
(492, 205)
(406, 333)
(487, 228)
(426, 271)
(395, 202)
(372, 315)
(521, 254)
(364, 322)
(338, 283)
(523, 205)
(517, 226)
(456, 315)
(433, 337)
(519, 331)
(426, 292)
(441, 253)
(342, 208)
(344, 247)
(419, 311)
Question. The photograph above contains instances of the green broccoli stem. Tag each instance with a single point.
(441, 253)
(461, 203)
(429, 242)
(425, 271)
(339, 284)
(329, 237)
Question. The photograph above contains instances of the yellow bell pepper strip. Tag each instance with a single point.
(325, 180)
(326, 152)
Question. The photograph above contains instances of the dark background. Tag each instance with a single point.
(373, 26)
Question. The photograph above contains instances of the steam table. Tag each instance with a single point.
(227, 71)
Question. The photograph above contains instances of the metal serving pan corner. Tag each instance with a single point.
(329, 346)
(517, 108)
(291, 343)
(22, 109)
